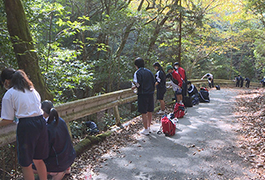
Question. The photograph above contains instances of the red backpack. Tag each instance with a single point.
(169, 128)
(179, 110)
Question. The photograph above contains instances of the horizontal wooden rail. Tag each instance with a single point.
(81, 108)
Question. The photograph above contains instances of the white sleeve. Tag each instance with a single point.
(157, 77)
(7, 112)
(135, 80)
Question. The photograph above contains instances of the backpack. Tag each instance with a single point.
(204, 96)
(217, 87)
(187, 101)
(179, 110)
(169, 128)
(204, 88)
(195, 99)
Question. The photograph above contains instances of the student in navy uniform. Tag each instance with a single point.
(241, 80)
(160, 84)
(145, 83)
(237, 81)
(61, 150)
(23, 102)
(247, 82)
(209, 78)
(193, 92)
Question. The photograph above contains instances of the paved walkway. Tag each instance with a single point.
(204, 147)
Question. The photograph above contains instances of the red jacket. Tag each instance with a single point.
(182, 72)
(176, 76)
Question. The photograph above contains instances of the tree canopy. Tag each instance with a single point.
(88, 47)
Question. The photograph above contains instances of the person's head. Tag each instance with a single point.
(6, 76)
(238, 75)
(20, 81)
(176, 65)
(49, 112)
(139, 62)
(188, 82)
(207, 74)
(158, 67)
(169, 69)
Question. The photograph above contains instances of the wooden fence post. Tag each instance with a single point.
(117, 115)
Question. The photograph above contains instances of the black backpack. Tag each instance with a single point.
(204, 96)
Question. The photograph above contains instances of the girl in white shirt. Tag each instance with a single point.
(23, 102)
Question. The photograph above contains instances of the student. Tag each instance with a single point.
(193, 92)
(176, 79)
(61, 150)
(247, 82)
(241, 80)
(160, 84)
(209, 78)
(23, 102)
(237, 81)
(182, 74)
(145, 83)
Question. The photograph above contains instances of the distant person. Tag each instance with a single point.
(241, 80)
(61, 150)
(23, 102)
(145, 83)
(209, 78)
(182, 74)
(247, 82)
(160, 84)
(176, 79)
(263, 82)
(237, 80)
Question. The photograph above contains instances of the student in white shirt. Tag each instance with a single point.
(23, 102)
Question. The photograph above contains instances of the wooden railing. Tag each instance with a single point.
(81, 108)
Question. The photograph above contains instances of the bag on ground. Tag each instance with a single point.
(195, 99)
(217, 87)
(204, 96)
(187, 101)
(169, 128)
(179, 110)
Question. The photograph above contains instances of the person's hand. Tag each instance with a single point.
(201, 78)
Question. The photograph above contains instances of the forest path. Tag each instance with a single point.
(204, 147)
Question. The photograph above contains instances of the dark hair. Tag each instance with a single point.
(176, 64)
(47, 107)
(7, 73)
(188, 82)
(139, 62)
(156, 64)
(20, 81)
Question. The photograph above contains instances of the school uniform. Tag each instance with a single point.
(145, 83)
(61, 150)
(160, 78)
(32, 136)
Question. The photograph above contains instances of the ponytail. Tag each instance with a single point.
(53, 116)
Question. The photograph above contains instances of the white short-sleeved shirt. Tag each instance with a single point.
(16, 103)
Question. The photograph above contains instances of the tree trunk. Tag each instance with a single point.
(23, 45)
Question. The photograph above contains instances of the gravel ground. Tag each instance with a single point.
(205, 146)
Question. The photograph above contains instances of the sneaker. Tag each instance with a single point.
(161, 112)
(149, 130)
(145, 132)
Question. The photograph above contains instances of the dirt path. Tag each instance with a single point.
(204, 147)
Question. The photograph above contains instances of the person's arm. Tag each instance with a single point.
(135, 82)
(203, 76)
(4, 122)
